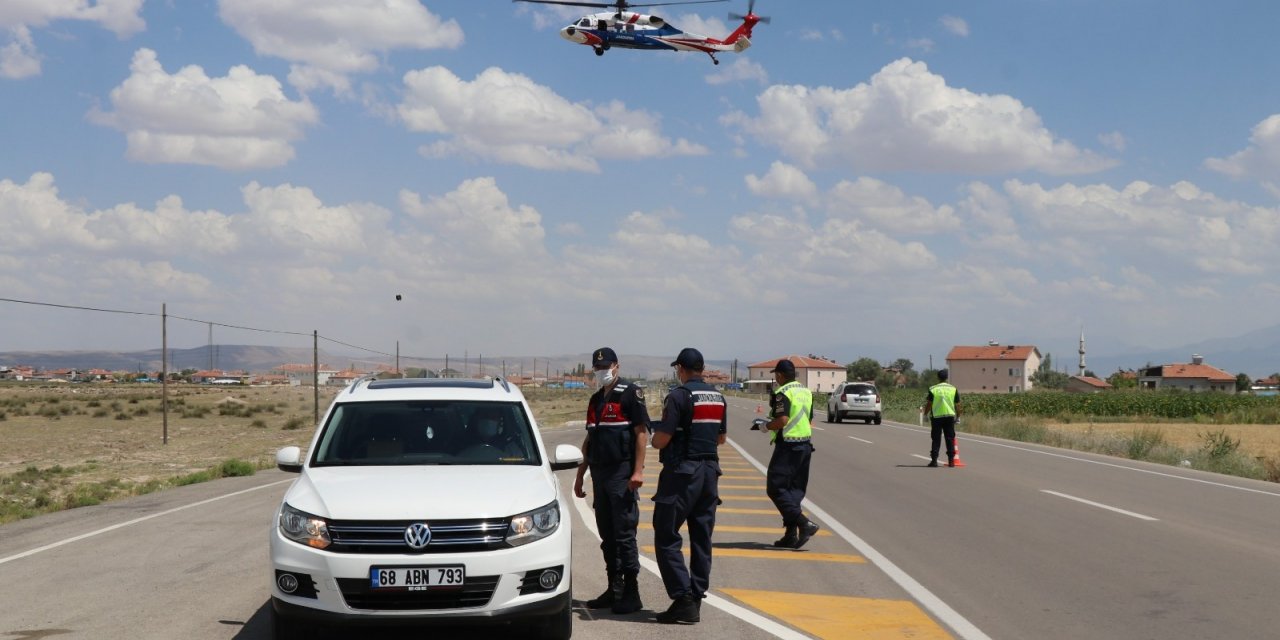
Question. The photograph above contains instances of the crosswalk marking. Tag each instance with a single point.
(735, 528)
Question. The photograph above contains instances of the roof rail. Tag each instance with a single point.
(365, 378)
(506, 387)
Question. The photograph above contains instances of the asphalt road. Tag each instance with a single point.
(1023, 542)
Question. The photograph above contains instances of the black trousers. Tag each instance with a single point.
(937, 428)
(788, 479)
(617, 516)
(688, 491)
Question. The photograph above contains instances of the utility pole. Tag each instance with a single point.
(164, 370)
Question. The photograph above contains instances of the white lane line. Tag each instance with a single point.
(860, 439)
(1101, 506)
(941, 610)
(916, 455)
(971, 439)
(731, 608)
(122, 525)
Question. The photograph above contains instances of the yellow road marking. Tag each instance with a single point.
(844, 617)
(772, 554)
(724, 498)
(735, 510)
(735, 528)
(757, 487)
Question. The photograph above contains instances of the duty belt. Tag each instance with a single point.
(795, 439)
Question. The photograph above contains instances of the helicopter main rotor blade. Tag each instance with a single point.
(598, 5)
(620, 5)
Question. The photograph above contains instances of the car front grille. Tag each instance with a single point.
(477, 592)
(447, 536)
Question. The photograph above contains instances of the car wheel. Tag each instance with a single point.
(557, 626)
(836, 413)
(867, 420)
(877, 418)
(829, 414)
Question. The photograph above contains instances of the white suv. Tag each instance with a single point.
(424, 501)
(854, 400)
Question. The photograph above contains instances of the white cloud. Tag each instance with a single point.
(480, 223)
(887, 207)
(1114, 141)
(907, 119)
(783, 181)
(955, 25)
(709, 27)
(329, 40)
(811, 35)
(293, 220)
(508, 118)
(740, 70)
(923, 45)
(19, 58)
(1261, 160)
(240, 121)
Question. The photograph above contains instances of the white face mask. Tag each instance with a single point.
(605, 377)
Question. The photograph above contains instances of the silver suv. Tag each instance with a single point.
(854, 400)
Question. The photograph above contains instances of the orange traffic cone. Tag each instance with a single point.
(956, 461)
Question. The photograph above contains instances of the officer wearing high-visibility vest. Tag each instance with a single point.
(790, 432)
(943, 406)
(694, 424)
(617, 436)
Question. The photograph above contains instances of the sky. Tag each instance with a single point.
(870, 177)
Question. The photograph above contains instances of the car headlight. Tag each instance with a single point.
(303, 527)
(534, 525)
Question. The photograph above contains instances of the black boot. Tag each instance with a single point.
(629, 601)
(610, 595)
(932, 463)
(683, 610)
(808, 529)
(788, 540)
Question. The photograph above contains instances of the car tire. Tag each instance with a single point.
(829, 414)
(866, 420)
(837, 415)
(557, 626)
(877, 418)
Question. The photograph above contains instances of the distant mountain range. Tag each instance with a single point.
(1256, 353)
(261, 359)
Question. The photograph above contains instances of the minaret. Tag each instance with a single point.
(1082, 350)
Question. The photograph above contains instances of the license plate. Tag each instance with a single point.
(861, 400)
(417, 578)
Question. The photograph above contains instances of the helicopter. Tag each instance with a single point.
(630, 30)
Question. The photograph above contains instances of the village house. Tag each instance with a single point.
(1196, 376)
(302, 374)
(994, 368)
(818, 374)
(1086, 384)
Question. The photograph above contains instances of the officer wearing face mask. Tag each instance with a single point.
(614, 450)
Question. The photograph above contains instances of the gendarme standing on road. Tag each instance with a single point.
(693, 425)
(617, 436)
(791, 433)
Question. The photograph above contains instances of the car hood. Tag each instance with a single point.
(412, 492)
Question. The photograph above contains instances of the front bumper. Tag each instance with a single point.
(498, 587)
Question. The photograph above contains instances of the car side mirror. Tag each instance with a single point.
(758, 424)
(567, 457)
(289, 459)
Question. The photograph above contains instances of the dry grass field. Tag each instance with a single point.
(72, 445)
(1256, 440)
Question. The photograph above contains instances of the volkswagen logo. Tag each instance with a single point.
(417, 536)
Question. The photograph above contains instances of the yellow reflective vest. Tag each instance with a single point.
(797, 428)
(944, 399)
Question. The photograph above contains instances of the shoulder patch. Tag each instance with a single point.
(640, 394)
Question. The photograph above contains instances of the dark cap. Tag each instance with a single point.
(784, 367)
(602, 357)
(689, 358)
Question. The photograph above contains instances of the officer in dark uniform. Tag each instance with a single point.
(617, 436)
(790, 432)
(693, 424)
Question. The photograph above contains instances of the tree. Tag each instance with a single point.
(904, 365)
(1046, 378)
(1090, 374)
(863, 368)
(887, 379)
(928, 378)
(1243, 382)
(1121, 380)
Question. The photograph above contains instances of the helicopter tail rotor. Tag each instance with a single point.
(751, 11)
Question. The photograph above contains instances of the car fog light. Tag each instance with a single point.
(549, 579)
(287, 582)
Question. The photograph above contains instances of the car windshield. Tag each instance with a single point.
(427, 433)
(861, 390)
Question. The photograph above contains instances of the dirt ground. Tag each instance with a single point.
(1255, 439)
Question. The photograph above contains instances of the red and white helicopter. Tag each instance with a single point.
(630, 30)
